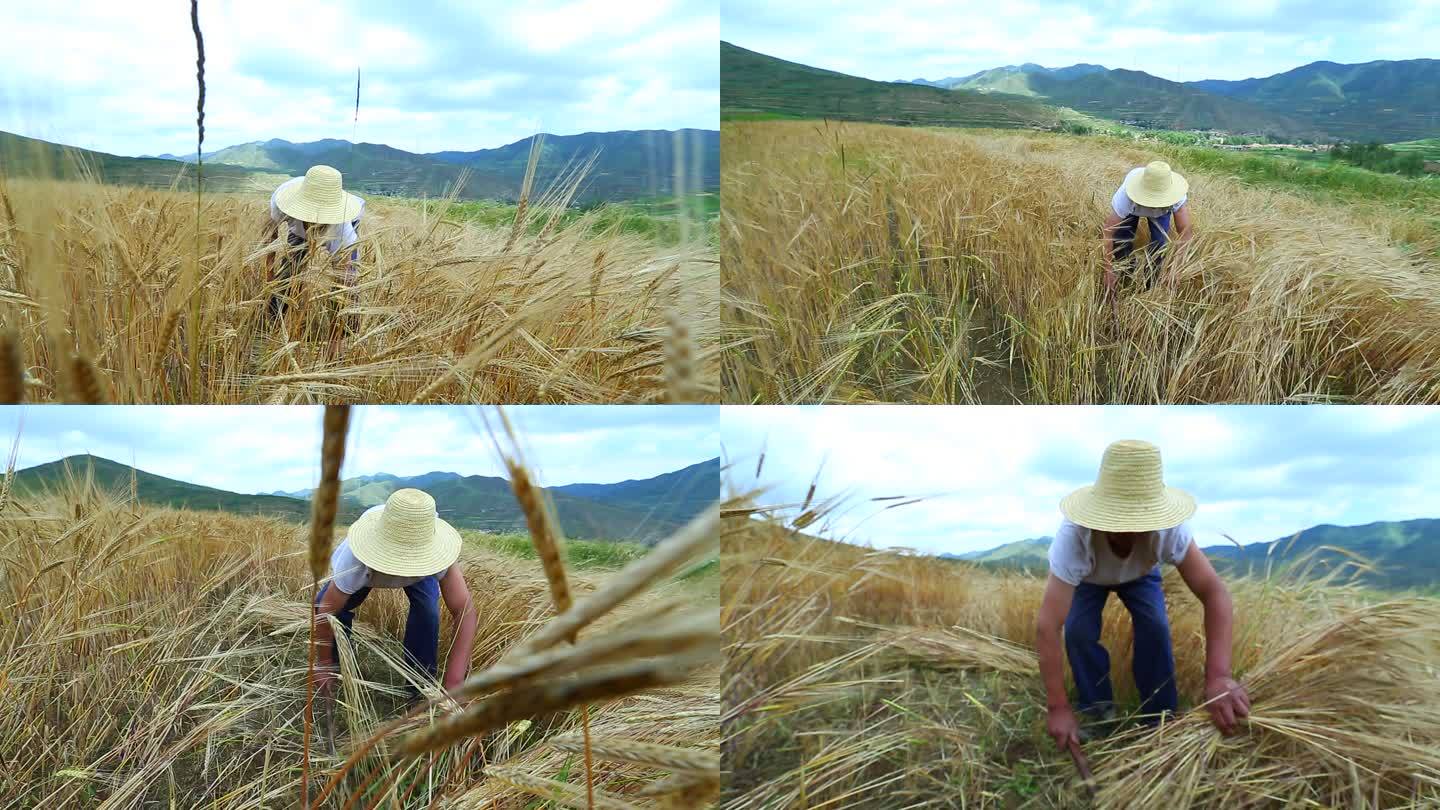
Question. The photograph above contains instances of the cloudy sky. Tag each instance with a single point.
(993, 475)
(436, 74)
(1216, 39)
(269, 448)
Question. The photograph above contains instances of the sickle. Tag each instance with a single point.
(1082, 765)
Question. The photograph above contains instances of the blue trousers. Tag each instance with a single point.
(1124, 241)
(422, 625)
(1154, 663)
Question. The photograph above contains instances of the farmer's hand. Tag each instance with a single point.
(1063, 727)
(1227, 702)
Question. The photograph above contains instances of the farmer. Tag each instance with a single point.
(313, 210)
(1150, 192)
(399, 544)
(1114, 535)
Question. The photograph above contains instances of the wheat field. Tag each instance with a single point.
(118, 294)
(867, 678)
(864, 262)
(157, 657)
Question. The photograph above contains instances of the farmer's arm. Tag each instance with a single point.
(1182, 222)
(1054, 607)
(1107, 234)
(462, 611)
(1226, 698)
(323, 637)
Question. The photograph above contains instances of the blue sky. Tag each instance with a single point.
(268, 448)
(1216, 39)
(991, 475)
(437, 74)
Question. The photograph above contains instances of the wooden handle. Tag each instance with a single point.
(1082, 765)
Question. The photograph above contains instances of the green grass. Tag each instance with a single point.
(595, 555)
(1429, 148)
(579, 553)
(659, 219)
(754, 115)
(1322, 177)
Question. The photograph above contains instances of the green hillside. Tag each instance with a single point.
(1380, 101)
(753, 84)
(637, 166)
(1429, 148)
(482, 502)
(1020, 552)
(29, 157)
(158, 490)
(1138, 98)
(1405, 554)
(675, 496)
(631, 165)
(643, 511)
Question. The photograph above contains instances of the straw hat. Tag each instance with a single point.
(1129, 494)
(318, 198)
(1156, 186)
(404, 537)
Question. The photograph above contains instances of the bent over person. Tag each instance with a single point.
(401, 544)
(1114, 535)
(1153, 193)
(313, 210)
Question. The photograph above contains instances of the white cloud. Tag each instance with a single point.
(267, 448)
(991, 475)
(1233, 39)
(436, 75)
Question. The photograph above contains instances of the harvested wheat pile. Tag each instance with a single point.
(864, 678)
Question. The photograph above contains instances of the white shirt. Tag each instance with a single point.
(333, 242)
(1124, 206)
(1075, 557)
(350, 575)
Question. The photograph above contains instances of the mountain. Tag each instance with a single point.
(643, 511)
(30, 157)
(635, 164)
(1380, 101)
(943, 84)
(1034, 550)
(674, 496)
(753, 83)
(1405, 553)
(631, 164)
(161, 491)
(1136, 97)
(1012, 78)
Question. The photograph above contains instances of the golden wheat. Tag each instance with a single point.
(964, 266)
(441, 310)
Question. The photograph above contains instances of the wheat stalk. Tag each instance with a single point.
(561, 793)
(12, 369)
(679, 360)
(666, 558)
(620, 749)
(600, 686)
(84, 381)
(322, 526)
